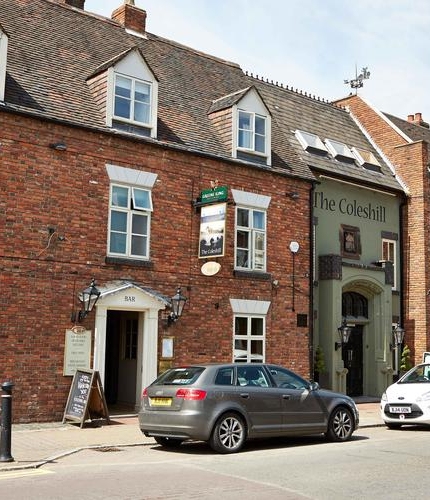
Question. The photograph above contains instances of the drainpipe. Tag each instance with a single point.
(311, 279)
(401, 260)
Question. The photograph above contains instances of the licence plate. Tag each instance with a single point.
(400, 409)
(161, 401)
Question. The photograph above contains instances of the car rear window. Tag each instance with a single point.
(181, 376)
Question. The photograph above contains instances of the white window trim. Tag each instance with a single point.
(248, 337)
(129, 212)
(252, 149)
(394, 242)
(131, 176)
(110, 102)
(304, 143)
(3, 63)
(329, 143)
(252, 232)
(132, 101)
(235, 135)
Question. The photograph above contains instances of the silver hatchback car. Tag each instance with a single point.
(226, 404)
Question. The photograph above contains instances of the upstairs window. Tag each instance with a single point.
(129, 222)
(389, 254)
(250, 239)
(310, 142)
(252, 133)
(132, 100)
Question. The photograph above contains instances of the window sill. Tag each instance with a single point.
(257, 275)
(125, 261)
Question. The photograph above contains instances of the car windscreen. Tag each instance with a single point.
(419, 375)
(180, 376)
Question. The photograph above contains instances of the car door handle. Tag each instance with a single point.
(285, 396)
(244, 395)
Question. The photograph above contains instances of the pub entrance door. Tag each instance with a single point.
(352, 355)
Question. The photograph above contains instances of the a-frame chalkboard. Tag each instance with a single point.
(86, 398)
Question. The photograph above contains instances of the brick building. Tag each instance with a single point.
(108, 137)
(406, 144)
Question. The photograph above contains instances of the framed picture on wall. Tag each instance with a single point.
(350, 244)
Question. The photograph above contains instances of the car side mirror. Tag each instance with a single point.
(314, 386)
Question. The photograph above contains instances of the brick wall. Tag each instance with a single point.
(69, 191)
(410, 161)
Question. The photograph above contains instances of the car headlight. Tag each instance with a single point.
(424, 397)
(384, 397)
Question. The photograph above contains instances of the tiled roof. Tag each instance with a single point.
(227, 101)
(412, 130)
(54, 49)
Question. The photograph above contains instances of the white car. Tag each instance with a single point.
(408, 400)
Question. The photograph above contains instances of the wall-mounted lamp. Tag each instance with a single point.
(178, 303)
(344, 332)
(294, 248)
(398, 336)
(294, 195)
(89, 298)
(58, 146)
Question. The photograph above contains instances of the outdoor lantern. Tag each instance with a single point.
(178, 303)
(344, 332)
(90, 296)
(398, 336)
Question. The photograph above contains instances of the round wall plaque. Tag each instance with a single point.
(210, 268)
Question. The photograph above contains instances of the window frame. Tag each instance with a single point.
(130, 212)
(149, 124)
(252, 231)
(252, 150)
(249, 337)
(393, 242)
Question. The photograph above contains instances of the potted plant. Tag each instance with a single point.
(405, 360)
(319, 366)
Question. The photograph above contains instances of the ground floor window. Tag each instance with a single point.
(249, 339)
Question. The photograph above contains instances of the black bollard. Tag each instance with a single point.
(6, 423)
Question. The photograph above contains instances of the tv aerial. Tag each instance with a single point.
(358, 81)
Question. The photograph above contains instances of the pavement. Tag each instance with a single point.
(34, 445)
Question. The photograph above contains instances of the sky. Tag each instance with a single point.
(313, 45)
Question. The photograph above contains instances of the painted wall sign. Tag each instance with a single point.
(210, 268)
(350, 207)
(77, 351)
(212, 231)
(217, 194)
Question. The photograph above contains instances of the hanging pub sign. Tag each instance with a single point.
(216, 194)
(212, 231)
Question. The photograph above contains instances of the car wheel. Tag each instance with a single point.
(168, 442)
(393, 426)
(341, 425)
(228, 434)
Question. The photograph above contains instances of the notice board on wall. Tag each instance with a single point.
(86, 398)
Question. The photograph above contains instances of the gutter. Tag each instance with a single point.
(152, 142)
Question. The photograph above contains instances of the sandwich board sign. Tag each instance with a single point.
(86, 398)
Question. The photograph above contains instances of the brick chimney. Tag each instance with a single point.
(79, 4)
(130, 16)
(417, 119)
